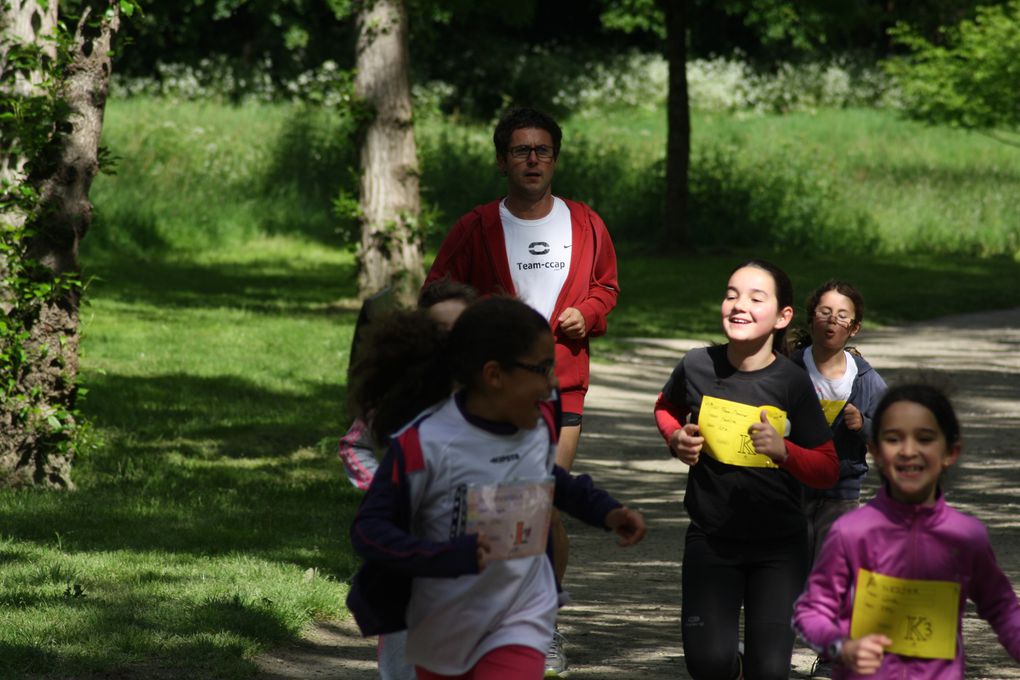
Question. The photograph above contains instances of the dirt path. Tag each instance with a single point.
(624, 622)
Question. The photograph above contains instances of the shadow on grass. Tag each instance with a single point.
(259, 287)
(223, 415)
(201, 655)
(919, 174)
(205, 466)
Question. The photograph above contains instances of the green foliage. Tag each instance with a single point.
(633, 15)
(735, 200)
(967, 79)
(219, 176)
(32, 129)
(203, 175)
(211, 522)
(925, 190)
(794, 206)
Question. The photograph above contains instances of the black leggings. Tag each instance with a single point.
(720, 575)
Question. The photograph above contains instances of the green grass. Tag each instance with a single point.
(216, 386)
(926, 189)
(211, 514)
(195, 175)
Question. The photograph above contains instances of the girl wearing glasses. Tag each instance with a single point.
(746, 421)
(478, 603)
(848, 389)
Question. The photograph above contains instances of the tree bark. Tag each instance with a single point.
(676, 229)
(21, 22)
(34, 450)
(391, 250)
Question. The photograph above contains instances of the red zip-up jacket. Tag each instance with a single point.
(474, 252)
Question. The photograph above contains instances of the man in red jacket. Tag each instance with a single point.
(553, 253)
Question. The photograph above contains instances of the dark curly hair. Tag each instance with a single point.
(410, 364)
(445, 289)
(401, 372)
(501, 329)
(802, 337)
(520, 117)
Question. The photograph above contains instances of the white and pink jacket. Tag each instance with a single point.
(933, 542)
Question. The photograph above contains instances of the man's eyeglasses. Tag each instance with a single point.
(839, 318)
(547, 369)
(542, 152)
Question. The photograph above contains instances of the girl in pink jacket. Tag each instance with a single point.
(887, 594)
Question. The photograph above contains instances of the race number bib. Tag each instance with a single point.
(919, 616)
(514, 516)
(831, 409)
(726, 426)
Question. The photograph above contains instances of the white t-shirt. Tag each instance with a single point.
(453, 622)
(538, 252)
(833, 394)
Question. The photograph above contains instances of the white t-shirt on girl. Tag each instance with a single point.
(833, 394)
(453, 622)
(538, 252)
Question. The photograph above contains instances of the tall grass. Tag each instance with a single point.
(922, 190)
(834, 180)
(196, 175)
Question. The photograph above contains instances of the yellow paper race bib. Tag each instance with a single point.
(831, 408)
(919, 616)
(726, 425)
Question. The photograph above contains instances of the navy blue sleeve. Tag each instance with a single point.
(578, 496)
(381, 533)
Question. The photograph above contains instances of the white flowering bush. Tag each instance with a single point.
(218, 79)
(634, 79)
(731, 84)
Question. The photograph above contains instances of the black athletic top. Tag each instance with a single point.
(747, 503)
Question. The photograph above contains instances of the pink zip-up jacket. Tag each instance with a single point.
(934, 542)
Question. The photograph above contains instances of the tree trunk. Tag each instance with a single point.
(37, 426)
(390, 252)
(21, 22)
(676, 230)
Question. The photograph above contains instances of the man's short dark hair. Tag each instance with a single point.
(520, 117)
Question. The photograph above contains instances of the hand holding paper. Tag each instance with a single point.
(686, 443)
(767, 440)
(852, 417)
(864, 656)
(482, 551)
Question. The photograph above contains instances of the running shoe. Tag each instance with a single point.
(821, 670)
(555, 659)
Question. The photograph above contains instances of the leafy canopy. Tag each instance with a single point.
(969, 78)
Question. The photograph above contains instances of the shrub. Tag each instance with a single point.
(788, 206)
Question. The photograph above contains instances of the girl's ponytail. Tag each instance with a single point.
(402, 371)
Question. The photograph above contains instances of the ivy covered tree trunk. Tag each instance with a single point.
(49, 157)
(391, 245)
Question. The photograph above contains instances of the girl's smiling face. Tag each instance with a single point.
(750, 308)
(527, 382)
(833, 321)
(912, 452)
